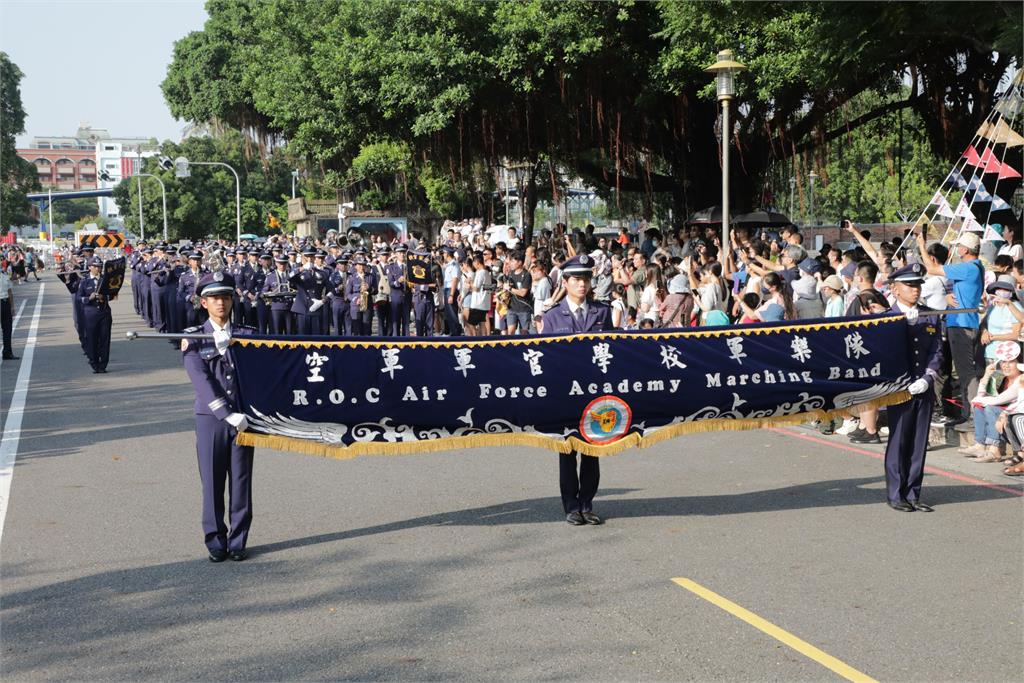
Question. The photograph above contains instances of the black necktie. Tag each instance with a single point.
(579, 318)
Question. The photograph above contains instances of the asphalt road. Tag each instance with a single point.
(459, 565)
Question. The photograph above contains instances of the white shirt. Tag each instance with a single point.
(577, 307)
(933, 292)
(480, 299)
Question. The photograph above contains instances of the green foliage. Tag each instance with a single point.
(101, 222)
(18, 177)
(73, 210)
(204, 203)
(610, 92)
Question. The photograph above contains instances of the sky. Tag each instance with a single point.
(67, 50)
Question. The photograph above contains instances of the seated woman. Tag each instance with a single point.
(998, 388)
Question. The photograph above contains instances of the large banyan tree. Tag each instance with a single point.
(613, 93)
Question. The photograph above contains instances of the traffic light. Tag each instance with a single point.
(105, 176)
(165, 163)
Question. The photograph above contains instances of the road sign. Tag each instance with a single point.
(104, 241)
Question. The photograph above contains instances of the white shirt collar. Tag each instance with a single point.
(218, 328)
(573, 307)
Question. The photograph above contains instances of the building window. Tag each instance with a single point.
(109, 148)
(43, 145)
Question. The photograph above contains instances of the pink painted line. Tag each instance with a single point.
(879, 456)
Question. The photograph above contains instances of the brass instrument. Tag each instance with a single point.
(364, 296)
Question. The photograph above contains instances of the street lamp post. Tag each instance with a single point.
(181, 170)
(295, 175)
(725, 69)
(811, 217)
(792, 189)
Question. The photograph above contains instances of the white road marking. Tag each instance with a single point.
(12, 428)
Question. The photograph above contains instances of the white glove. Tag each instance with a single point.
(238, 421)
(912, 317)
(316, 305)
(222, 339)
(918, 386)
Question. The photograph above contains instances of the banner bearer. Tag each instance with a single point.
(909, 422)
(219, 418)
(578, 312)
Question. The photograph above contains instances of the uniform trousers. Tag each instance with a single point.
(578, 490)
(281, 322)
(6, 323)
(423, 307)
(339, 318)
(399, 316)
(909, 424)
(97, 323)
(220, 461)
(451, 315)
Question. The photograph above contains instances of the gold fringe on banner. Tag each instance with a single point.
(633, 440)
(699, 333)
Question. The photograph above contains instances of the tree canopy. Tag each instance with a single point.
(204, 203)
(17, 176)
(613, 93)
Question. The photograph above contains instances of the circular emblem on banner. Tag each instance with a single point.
(605, 419)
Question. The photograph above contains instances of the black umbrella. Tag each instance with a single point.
(762, 218)
(712, 214)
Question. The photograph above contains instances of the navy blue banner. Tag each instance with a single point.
(598, 393)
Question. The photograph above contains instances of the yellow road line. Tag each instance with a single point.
(801, 646)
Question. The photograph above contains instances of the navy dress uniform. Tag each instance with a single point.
(193, 313)
(910, 422)
(339, 304)
(309, 283)
(359, 295)
(280, 308)
(158, 268)
(259, 278)
(219, 416)
(73, 278)
(578, 490)
(96, 317)
(395, 273)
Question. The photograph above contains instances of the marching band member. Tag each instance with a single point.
(357, 294)
(395, 274)
(280, 308)
(382, 290)
(339, 304)
(96, 317)
(219, 418)
(578, 312)
(909, 422)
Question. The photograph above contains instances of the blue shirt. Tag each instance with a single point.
(967, 280)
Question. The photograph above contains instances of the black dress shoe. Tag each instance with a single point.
(575, 518)
(902, 506)
(218, 555)
(591, 518)
(238, 555)
(10, 357)
(922, 507)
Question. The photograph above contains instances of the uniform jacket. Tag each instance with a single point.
(560, 320)
(309, 285)
(86, 288)
(925, 345)
(213, 375)
(352, 287)
(276, 282)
